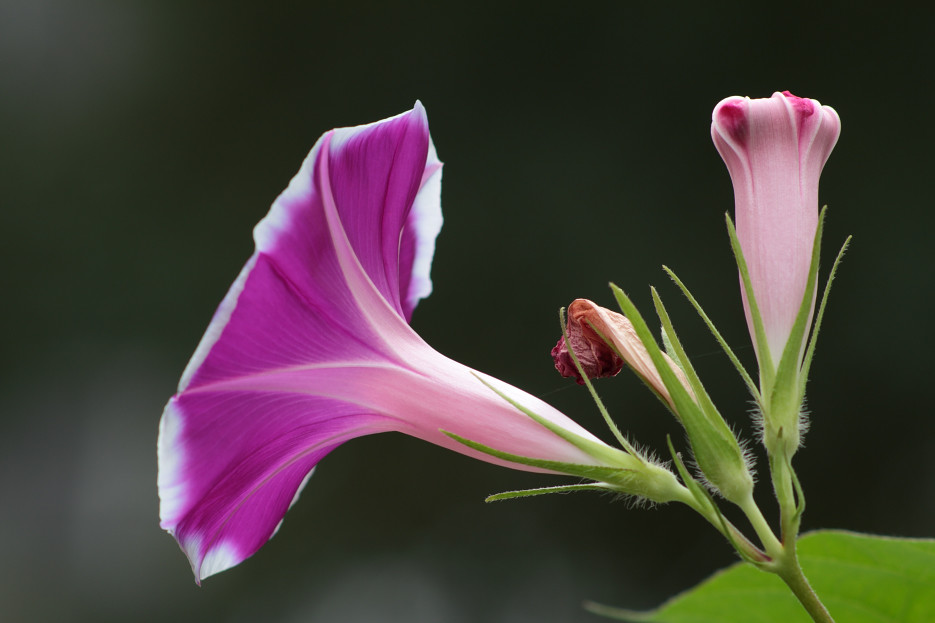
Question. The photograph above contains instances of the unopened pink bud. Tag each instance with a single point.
(775, 150)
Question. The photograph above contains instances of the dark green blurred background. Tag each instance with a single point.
(141, 141)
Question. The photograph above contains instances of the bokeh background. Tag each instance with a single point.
(141, 141)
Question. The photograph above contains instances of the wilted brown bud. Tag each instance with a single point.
(587, 323)
(597, 358)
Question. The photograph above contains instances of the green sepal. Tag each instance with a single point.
(701, 496)
(726, 467)
(767, 372)
(807, 361)
(597, 400)
(702, 399)
(649, 386)
(683, 405)
(648, 480)
(528, 493)
(754, 390)
(592, 472)
(600, 451)
(707, 438)
(669, 349)
(785, 399)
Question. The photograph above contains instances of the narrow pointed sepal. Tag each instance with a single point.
(630, 476)
(530, 493)
(784, 403)
(747, 379)
(716, 449)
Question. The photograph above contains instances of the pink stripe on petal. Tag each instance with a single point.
(381, 171)
(379, 313)
(275, 324)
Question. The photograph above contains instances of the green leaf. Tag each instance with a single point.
(860, 578)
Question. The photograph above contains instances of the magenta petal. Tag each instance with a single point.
(311, 348)
(244, 457)
(384, 172)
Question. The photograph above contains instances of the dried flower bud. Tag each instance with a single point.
(597, 358)
(591, 331)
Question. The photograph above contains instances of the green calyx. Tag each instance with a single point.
(782, 390)
(632, 477)
(782, 410)
(716, 449)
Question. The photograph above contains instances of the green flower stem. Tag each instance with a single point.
(781, 472)
(780, 557)
(786, 566)
(771, 544)
(791, 574)
(747, 550)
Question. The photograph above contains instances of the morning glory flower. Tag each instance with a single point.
(775, 150)
(312, 347)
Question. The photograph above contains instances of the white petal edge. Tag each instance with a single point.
(219, 558)
(426, 217)
(295, 499)
(169, 480)
(218, 322)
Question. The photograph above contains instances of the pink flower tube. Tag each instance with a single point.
(775, 150)
(311, 347)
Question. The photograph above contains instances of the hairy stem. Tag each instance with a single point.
(791, 574)
(787, 566)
